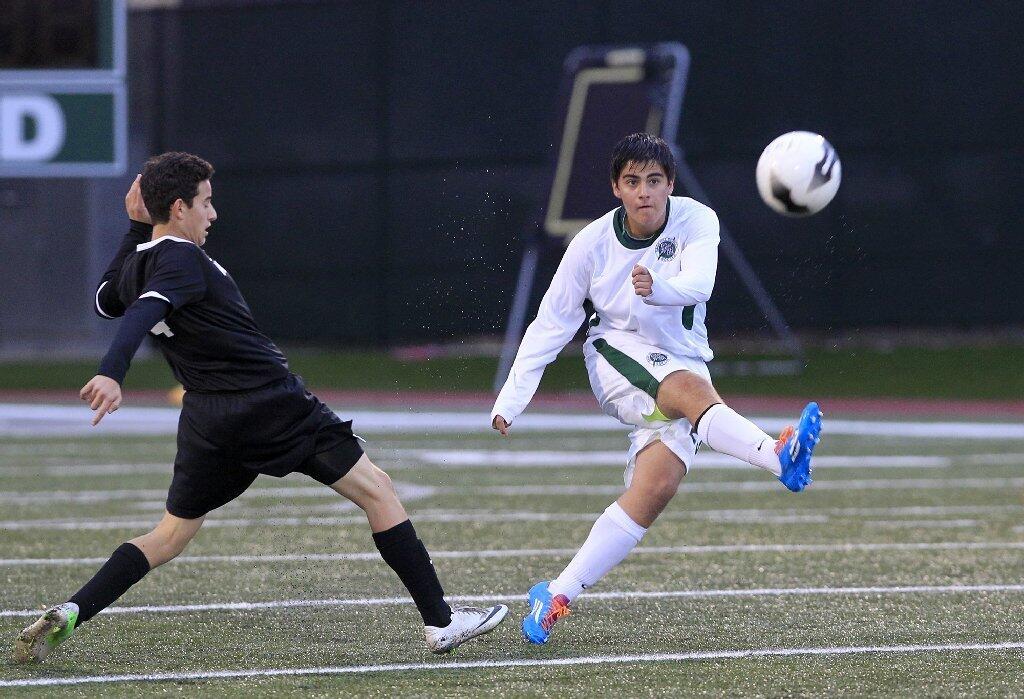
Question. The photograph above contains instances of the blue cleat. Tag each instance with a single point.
(545, 610)
(795, 454)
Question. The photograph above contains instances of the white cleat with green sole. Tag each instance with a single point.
(49, 631)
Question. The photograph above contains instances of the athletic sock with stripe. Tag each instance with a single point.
(728, 432)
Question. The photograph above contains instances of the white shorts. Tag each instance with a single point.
(625, 374)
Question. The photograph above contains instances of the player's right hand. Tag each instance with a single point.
(499, 424)
(103, 395)
(134, 204)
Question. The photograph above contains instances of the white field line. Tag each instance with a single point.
(555, 490)
(74, 470)
(408, 491)
(260, 518)
(131, 522)
(557, 552)
(69, 421)
(483, 459)
(517, 597)
(759, 485)
(560, 662)
(920, 523)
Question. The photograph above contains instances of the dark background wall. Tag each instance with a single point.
(378, 161)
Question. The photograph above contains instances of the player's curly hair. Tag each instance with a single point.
(169, 177)
(642, 148)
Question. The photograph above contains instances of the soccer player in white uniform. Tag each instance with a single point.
(648, 267)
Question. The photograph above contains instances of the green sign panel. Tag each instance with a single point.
(70, 130)
(64, 113)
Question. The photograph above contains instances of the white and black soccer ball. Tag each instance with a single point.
(798, 173)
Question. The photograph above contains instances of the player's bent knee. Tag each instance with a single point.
(366, 485)
(383, 487)
(685, 394)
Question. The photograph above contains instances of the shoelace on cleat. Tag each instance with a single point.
(559, 609)
(786, 435)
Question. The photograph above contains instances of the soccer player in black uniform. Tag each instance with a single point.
(244, 413)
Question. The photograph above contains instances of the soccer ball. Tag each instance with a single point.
(798, 173)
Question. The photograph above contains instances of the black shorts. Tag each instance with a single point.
(227, 439)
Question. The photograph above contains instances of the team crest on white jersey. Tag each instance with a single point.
(657, 358)
(667, 249)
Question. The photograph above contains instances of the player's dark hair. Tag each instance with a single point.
(169, 177)
(642, 148)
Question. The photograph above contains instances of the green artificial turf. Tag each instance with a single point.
(954, 373)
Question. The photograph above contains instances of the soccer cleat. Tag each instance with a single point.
(795, 455)
(466, 623)
(49, 631)
(545, 610)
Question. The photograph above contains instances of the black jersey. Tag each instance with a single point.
(209, 336)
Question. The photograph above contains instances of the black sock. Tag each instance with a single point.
(407, 556)
(126, 566)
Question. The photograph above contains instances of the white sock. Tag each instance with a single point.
(612, 537)
(728, 432)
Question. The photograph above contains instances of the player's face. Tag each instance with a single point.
(196, 219)
(644, 189)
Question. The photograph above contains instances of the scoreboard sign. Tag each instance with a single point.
(63, 102)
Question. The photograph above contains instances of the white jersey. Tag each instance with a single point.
(683, 260)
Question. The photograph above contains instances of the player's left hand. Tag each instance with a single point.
(643, 282)
(103, 395)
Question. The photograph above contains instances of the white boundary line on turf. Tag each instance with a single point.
(450, 459)
(407, 491)
(485, 459)
(553, 490)
(518, 597)
(522, 553)
(65, 420)
(258, 517)
(546, 662)
(760, 485)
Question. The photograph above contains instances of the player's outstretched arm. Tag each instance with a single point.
(103, 392)
(559, 317)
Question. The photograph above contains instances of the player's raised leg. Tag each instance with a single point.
(445, 627)
(616, 532)
(129, 563)
(684, 394)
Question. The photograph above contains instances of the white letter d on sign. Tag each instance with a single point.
(31, 127)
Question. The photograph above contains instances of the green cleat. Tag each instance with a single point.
(49, 631)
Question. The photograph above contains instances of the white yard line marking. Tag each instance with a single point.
(924, 523)
(482, 458)
(406, 490)
(766, 484)
(554, 490)
(74, 470)
(72, 421)
(542, 459)
(517, 597)
(258, 517)
(478, 664)
(553, 552)
(254, 520)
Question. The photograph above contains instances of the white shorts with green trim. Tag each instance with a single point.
(625, 374)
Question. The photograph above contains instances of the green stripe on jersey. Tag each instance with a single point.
(632, 370)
